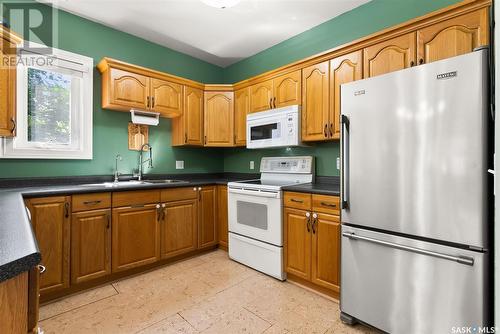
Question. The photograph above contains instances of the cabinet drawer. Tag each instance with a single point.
(131, 198)
(179, 194)
(85, 202)
(297, 200)
(326, 204)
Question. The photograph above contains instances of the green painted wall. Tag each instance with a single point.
(359, 22)
(88, 38)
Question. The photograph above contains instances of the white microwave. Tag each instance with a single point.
(274, 128)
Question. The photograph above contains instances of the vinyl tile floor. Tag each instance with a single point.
(205, 294)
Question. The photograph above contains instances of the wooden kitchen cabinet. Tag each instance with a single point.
(287, 89)
(135, 236)
(188, 128)
(179, 228)
(222, 217)
(166, 97)
(343, 69)
(312, 240)
(241, 110)
(8, 43)
(315, 102)
(297, 236)
(50, 218)
(14, 304)
(391, 55)
(219, 119)
(127, 90)
(261, 95)
(453, 37)
(207, 217)
(325, 259)
(90, 245)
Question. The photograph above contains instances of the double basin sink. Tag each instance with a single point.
(132, 183)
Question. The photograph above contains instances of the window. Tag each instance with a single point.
(54, 107)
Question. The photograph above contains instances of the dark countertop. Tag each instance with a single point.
(322, 186)
(18, 247)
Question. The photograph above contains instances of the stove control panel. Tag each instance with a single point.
(300, 165)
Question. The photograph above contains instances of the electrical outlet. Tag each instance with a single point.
(252, 165)
(338, 163)
(179, 164)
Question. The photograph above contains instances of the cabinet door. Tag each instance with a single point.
(128, 90)
(166, 98)
(315, 102)
(135, 240)
(7, 92)
(287, 90)
(343, 69)
(389, 56)
(222, 216)
(90, 245)
(50, 217)
(179, 228)
(219, 119)
(207, 230)
(326, 251)
(241, 109)
(261, 96)
(297, 245)
(187, 129)
(453, 37)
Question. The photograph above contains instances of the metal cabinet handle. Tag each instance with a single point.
(271, 103)
(329, 204)
(460, 259)
(148, 102)
(331, 129)
(66, 209)
(308, 221)
(92, 202)
(344, 191)
(412, 63)
(41, 268)
(134, 206)
(205, 140)
(109, 221)
(14, 126)
(185, 138)
(314, 222)
(296, 200)
(158, 212)
(274, 102)
(153, 102)
(326, 130)
(420, 61)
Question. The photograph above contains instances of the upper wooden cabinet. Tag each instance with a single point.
(241, 110)
(188, 128)
(279, 92)
(219, 119)
(287, 89)
(343, 69)
(8, 43)
(166, 97)
(50, 218)
(389, 56)
(126, 86)
(453, 37)
(315, 102)
(261, 96)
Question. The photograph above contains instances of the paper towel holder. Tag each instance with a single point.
(145, 117)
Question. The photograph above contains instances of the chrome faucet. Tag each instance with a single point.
(142, 161)
(117, 173)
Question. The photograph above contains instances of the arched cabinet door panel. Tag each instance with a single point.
(287, 90)
(315, 102)
(219, 118)
(166, 98)
(128, 89)
(261, 96)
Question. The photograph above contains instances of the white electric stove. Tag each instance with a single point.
(255, 213)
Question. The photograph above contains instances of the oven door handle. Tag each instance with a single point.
(256, 193)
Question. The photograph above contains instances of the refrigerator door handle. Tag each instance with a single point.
(460, 259)
(345, 162)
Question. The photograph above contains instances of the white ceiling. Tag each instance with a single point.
(218, 36)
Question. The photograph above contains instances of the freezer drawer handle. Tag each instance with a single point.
(460, 259)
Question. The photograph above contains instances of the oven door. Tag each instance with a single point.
(256, 214)
(266, 132)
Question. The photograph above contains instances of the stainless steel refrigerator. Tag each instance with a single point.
(414, 196)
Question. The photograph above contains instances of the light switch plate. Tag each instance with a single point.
(252, 164)
(338, 163)
(179, 164)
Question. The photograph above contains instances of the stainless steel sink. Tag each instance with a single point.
(131, 183)
(164, 181)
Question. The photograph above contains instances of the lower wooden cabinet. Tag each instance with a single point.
(312, 240)
(14, 304)
(207, 225)
(179, 227)
(136, 236)
(90, 245)
(222, 218)
(50, 218)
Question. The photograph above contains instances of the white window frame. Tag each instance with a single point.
(18, 147)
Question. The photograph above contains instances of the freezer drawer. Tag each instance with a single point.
(402, 285)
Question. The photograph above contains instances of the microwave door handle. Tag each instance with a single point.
(345, 162)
